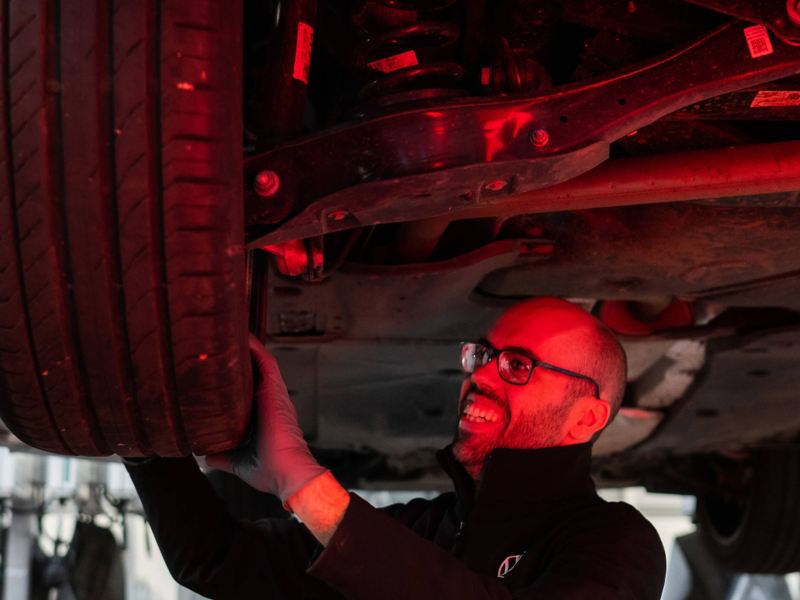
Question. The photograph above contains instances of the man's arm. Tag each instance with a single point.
(369, 555)
(321, 505)
(373, 556)
(209, 551)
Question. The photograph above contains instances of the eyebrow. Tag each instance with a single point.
(526, 351)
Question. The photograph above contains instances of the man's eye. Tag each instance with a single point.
(518, 365)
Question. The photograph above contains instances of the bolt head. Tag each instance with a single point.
(496, 185)
(337, 215)
(540, 137)
(267, 183)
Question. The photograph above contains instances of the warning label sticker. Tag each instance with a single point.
(395, 63)
(758, 41)
(776, 98)
(302, 53)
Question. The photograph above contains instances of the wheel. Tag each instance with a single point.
(758, 531)
(122, 303)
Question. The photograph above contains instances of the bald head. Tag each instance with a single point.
(565, 335)
(510, 403)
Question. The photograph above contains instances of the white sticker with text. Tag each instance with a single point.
(758, 41)
(394, 63)
(302, 52)
(776, 98)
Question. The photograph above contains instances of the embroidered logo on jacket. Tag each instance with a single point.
(508, 564)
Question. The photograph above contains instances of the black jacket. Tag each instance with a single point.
(535, 520)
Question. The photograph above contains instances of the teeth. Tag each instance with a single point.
(480, 415)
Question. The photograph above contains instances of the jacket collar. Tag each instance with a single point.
(519, 479)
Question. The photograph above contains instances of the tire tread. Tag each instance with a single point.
(122, 313)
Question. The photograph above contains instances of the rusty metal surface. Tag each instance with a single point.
(694, 175)
(747, 394)
(774, 14)
(375, 365)
(665, 20)
(430, 161)
(736, 255)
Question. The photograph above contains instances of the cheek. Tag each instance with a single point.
(517, 406)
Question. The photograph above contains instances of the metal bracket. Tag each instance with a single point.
(478, 152)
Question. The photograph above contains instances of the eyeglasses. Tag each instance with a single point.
(514, 365)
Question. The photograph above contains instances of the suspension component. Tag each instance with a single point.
(409, 50)
(524, 31)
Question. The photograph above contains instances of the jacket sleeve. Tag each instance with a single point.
(209, 551)
(373, 556)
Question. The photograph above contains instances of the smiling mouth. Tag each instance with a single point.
(480, 415)
(481, 412)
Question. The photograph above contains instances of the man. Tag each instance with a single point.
(524, 521)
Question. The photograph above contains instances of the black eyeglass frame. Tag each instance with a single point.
(494, 354)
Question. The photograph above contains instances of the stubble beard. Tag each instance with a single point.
(536, 430)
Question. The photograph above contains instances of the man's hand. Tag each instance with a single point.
(278, 460)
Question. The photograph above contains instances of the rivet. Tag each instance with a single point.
(267, 183)
(540, 138)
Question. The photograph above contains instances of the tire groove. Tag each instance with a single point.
(107, 114)
(29, 194)
(129, 168)
(54, 159)
(157, 191)
(131, 262)
(136, 107)
(29, 231)
(24, 61)
(5, 47)
(128, 54)
(27, 120)
(22, 27)
(195, 180)
(26, 159)
(195, 27)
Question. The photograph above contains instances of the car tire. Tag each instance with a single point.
(122, 302)
(758, 532)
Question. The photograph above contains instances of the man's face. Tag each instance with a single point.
(496, 414)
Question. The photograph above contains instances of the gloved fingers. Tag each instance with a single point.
(266, 363)
(271, 393)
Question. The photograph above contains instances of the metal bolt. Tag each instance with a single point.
(540, 138)
(338, 215)
(496, 186)
(267, 183)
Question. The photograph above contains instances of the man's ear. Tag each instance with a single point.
(590, 415)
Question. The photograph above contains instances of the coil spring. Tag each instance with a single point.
(407, 47)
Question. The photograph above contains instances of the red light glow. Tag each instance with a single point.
(496, 185)
(291, 258)
(267, 183)
(499, 133)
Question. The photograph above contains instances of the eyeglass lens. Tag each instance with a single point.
(473, 356)
(513, 367)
